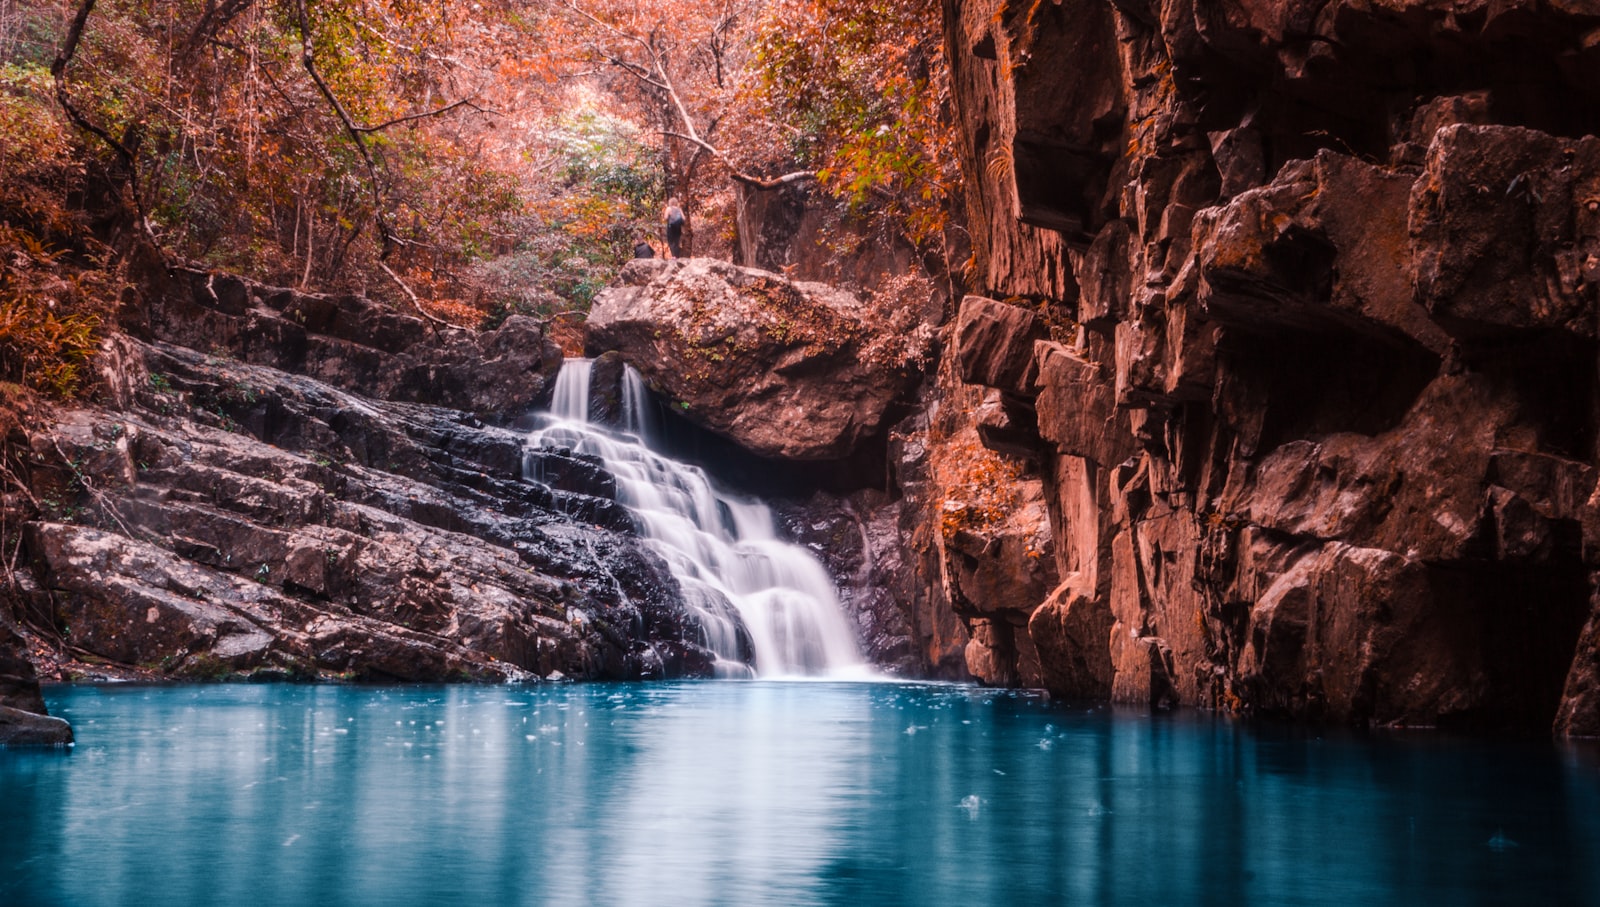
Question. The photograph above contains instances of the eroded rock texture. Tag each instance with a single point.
(1299, 323)
(294, 486)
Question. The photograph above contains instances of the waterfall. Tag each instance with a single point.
(724, 550)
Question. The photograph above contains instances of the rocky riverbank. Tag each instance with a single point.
(281, 485)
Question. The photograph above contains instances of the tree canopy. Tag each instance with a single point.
(460, 159)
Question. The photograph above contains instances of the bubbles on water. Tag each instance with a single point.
(971, 804)
(1045, 743)
(1499, 843)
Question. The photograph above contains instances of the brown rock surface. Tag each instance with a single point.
(1317, 410)
(355, 344)
(792, 371)
(994, 343)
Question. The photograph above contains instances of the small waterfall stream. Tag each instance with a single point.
(724, 550)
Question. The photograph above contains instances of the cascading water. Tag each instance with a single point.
(723, 550)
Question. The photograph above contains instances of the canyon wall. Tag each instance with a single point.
(1291, 310)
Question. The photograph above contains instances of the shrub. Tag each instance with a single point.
(51, 314)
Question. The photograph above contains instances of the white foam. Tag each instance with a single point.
(724, 550)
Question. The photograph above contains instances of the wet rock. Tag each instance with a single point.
(24, 721)
(606, 389)
(786, 370)
(19, 682)
(238, 520)
(857, 538)
(23, 728)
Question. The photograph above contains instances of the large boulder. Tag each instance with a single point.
(18, 727)
(23, 719)
(795, 371)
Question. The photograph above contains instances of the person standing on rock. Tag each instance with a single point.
(674, 221)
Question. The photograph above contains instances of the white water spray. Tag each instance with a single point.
(722, 549)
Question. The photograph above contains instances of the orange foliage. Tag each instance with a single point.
(518, 150)
(51, 314)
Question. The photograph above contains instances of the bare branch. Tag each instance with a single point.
(415, 302)
(308, 60)
(798, 176)
(739, 175)
(58, 71)
(654, 74)
(358, 135)
(464, 102)
(213, 20)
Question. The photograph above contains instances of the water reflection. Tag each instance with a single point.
(766, 793)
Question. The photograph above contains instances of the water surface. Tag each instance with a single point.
(745, 793)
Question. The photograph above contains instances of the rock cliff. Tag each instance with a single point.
(1293, 306)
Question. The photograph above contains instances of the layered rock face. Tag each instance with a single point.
(294, 486)
(1294, 308)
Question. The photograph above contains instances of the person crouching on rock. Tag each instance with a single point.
(643, 249)
(674, 221)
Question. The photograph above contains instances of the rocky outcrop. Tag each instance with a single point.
(348, 342)
(790, 371)
(313, 496)
(23, 717)
(1299, 323)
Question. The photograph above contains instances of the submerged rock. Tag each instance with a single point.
(793, 371)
